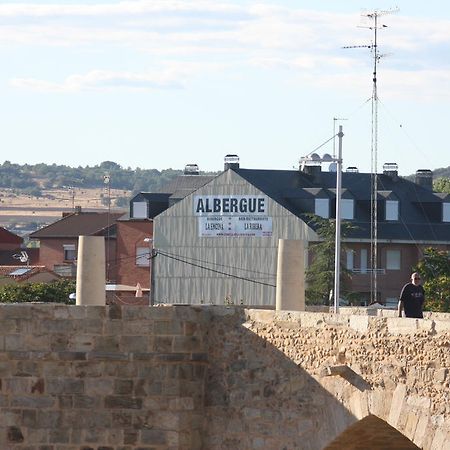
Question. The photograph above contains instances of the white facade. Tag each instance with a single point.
(243, 245)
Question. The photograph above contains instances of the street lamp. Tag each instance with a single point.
(315, 159)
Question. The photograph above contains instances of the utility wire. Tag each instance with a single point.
(215, 271)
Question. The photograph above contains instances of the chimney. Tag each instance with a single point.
(231, 162)
(424, 178)
(391, 170)
(191, 169)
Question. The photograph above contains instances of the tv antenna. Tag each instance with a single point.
(22, 257)
(376, 55)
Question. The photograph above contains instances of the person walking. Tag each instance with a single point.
(412, 298)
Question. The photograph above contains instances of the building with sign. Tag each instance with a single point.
(219, 244)
(217, 240)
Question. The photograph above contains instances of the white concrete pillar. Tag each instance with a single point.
(91, 271)
(290, 294)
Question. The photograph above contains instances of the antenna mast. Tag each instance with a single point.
(373, 16)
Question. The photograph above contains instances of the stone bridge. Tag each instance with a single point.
(205, 377)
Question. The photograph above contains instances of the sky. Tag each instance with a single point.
(164, 83)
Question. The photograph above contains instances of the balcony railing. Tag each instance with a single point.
(368, 271)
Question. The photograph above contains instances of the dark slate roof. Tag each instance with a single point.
(419, 208)
(79, 224)
(185, 184)
(170, 193)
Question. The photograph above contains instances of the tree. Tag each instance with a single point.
(320, 273)
(54, 292)
(434, 268)
(442, 185)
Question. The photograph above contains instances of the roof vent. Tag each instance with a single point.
(424, 178)
(352, 169)
(231, 162)
(191, 169)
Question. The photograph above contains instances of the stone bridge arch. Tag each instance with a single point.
(371, 433)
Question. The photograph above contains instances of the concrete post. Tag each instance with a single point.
(290, 294)
(91, 271)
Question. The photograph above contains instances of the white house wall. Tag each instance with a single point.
(176, 234)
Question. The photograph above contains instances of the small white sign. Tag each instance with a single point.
(235, 226)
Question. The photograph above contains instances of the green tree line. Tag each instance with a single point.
(30, 178)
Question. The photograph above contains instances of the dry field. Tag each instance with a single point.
(16, 211)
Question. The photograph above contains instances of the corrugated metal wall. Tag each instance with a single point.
(254, 258)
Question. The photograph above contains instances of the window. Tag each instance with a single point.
(347, 210)
(349, 254)
(393, 259)
(363, 261)
(321, 208)
(69, 252)
(143, 256)
(391, 210)
(139, 210)
(445, 212)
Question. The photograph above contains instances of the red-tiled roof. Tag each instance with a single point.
(10, 257)
(78, 224)
(21, 273)
(6, 237)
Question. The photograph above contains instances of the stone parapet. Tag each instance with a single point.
(218, 377)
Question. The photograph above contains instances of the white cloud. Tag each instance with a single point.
(269, 36)
(102, 80)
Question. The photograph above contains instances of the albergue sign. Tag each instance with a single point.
(223, 205)
(232, 215)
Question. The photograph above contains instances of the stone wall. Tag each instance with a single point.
(298, 380)
(182, 377)
(101, 378)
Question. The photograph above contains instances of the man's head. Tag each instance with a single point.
(415, 279)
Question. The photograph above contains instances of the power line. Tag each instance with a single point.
(215, 271)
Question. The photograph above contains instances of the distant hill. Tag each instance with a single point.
(31, 179)
(443, 172)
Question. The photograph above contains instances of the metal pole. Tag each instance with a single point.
(151, 293)
(151, 299)
(337, 250)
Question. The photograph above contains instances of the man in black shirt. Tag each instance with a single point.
(412, 298)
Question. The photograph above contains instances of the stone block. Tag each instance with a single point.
(398, 400)
(9, 326)
(123, 387)
(33, 401)
(137, 327)
(86, 401)
(99, 386)
(14, 342)
(89, 325)
(441, 326)
(139, 344)
(49, 419)
(18, 311)
(154, 437)
(168, 327)
(163, 344)
(359, 323)
(106, 343)
(122, 402)
(80, 343)
(261, 315)
(402, 325)
(187, 344)
(64, 386)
